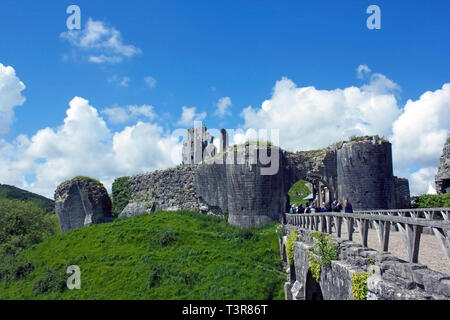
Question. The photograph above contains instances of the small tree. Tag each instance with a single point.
(321, 253)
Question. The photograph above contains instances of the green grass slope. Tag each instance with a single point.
(176, 255)
(298, 191)
(14, 193)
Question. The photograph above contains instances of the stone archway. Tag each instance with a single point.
(312, 288)
(321, 190)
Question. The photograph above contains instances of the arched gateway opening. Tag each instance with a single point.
(310, 189)
(312, 288)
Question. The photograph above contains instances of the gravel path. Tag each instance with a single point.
(430, 251)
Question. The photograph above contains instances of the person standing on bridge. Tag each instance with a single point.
(348, 209)
(336, 206)
(348, 206)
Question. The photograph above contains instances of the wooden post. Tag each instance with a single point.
(364, 231)
(350, 228)
(322, 223)
(411, 238)
(328, 218)
(316, 223)
(339, 226)
(444, 241)
(383, 230)
(387, 231)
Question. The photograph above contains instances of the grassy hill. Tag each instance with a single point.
(176, 255)
(298, 191)
(11, 192)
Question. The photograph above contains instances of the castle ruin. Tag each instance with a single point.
(233, 183)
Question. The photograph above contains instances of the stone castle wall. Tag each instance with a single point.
(360, 170)
(364, 174)
(391, 278)
(443, 174)
(171, 189)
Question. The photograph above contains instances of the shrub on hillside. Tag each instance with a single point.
(53, 280)
(168, 236)
(156, 273)
(14, 268)
(23, 224)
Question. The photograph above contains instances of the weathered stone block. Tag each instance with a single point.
(81, 202)
(287, 291)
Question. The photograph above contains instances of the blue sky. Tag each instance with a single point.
(198, 52)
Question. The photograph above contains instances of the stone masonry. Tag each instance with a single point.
(81, 202)
(391, 278)
(443, 175)
(233, 182)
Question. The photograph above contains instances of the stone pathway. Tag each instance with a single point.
(430, 251)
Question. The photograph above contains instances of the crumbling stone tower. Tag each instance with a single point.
(198, 145)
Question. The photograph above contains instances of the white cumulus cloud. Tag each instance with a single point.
(189, 116)
(117, 115)
(104, 43)
(150, 81)
(10, 96)
(421, 130)
(361, 70)
(309, 118)
(84, 145)
(421, 180)
(223, 106)
(121, 81)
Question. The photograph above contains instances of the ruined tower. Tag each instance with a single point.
(197, 146)
(365, 175)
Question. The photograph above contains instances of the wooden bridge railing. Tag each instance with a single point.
(410, 223)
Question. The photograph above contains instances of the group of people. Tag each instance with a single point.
(335, 206)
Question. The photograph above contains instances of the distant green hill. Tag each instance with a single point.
(299, 191)
(164, 255)
(11, 192)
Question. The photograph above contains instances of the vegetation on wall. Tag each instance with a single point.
(322, 252)
(165, 255)
(363, 138)
(83, 178)
(290, 247)
(359, 285)
(280, 231)
(431, 201)
(121, 195)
